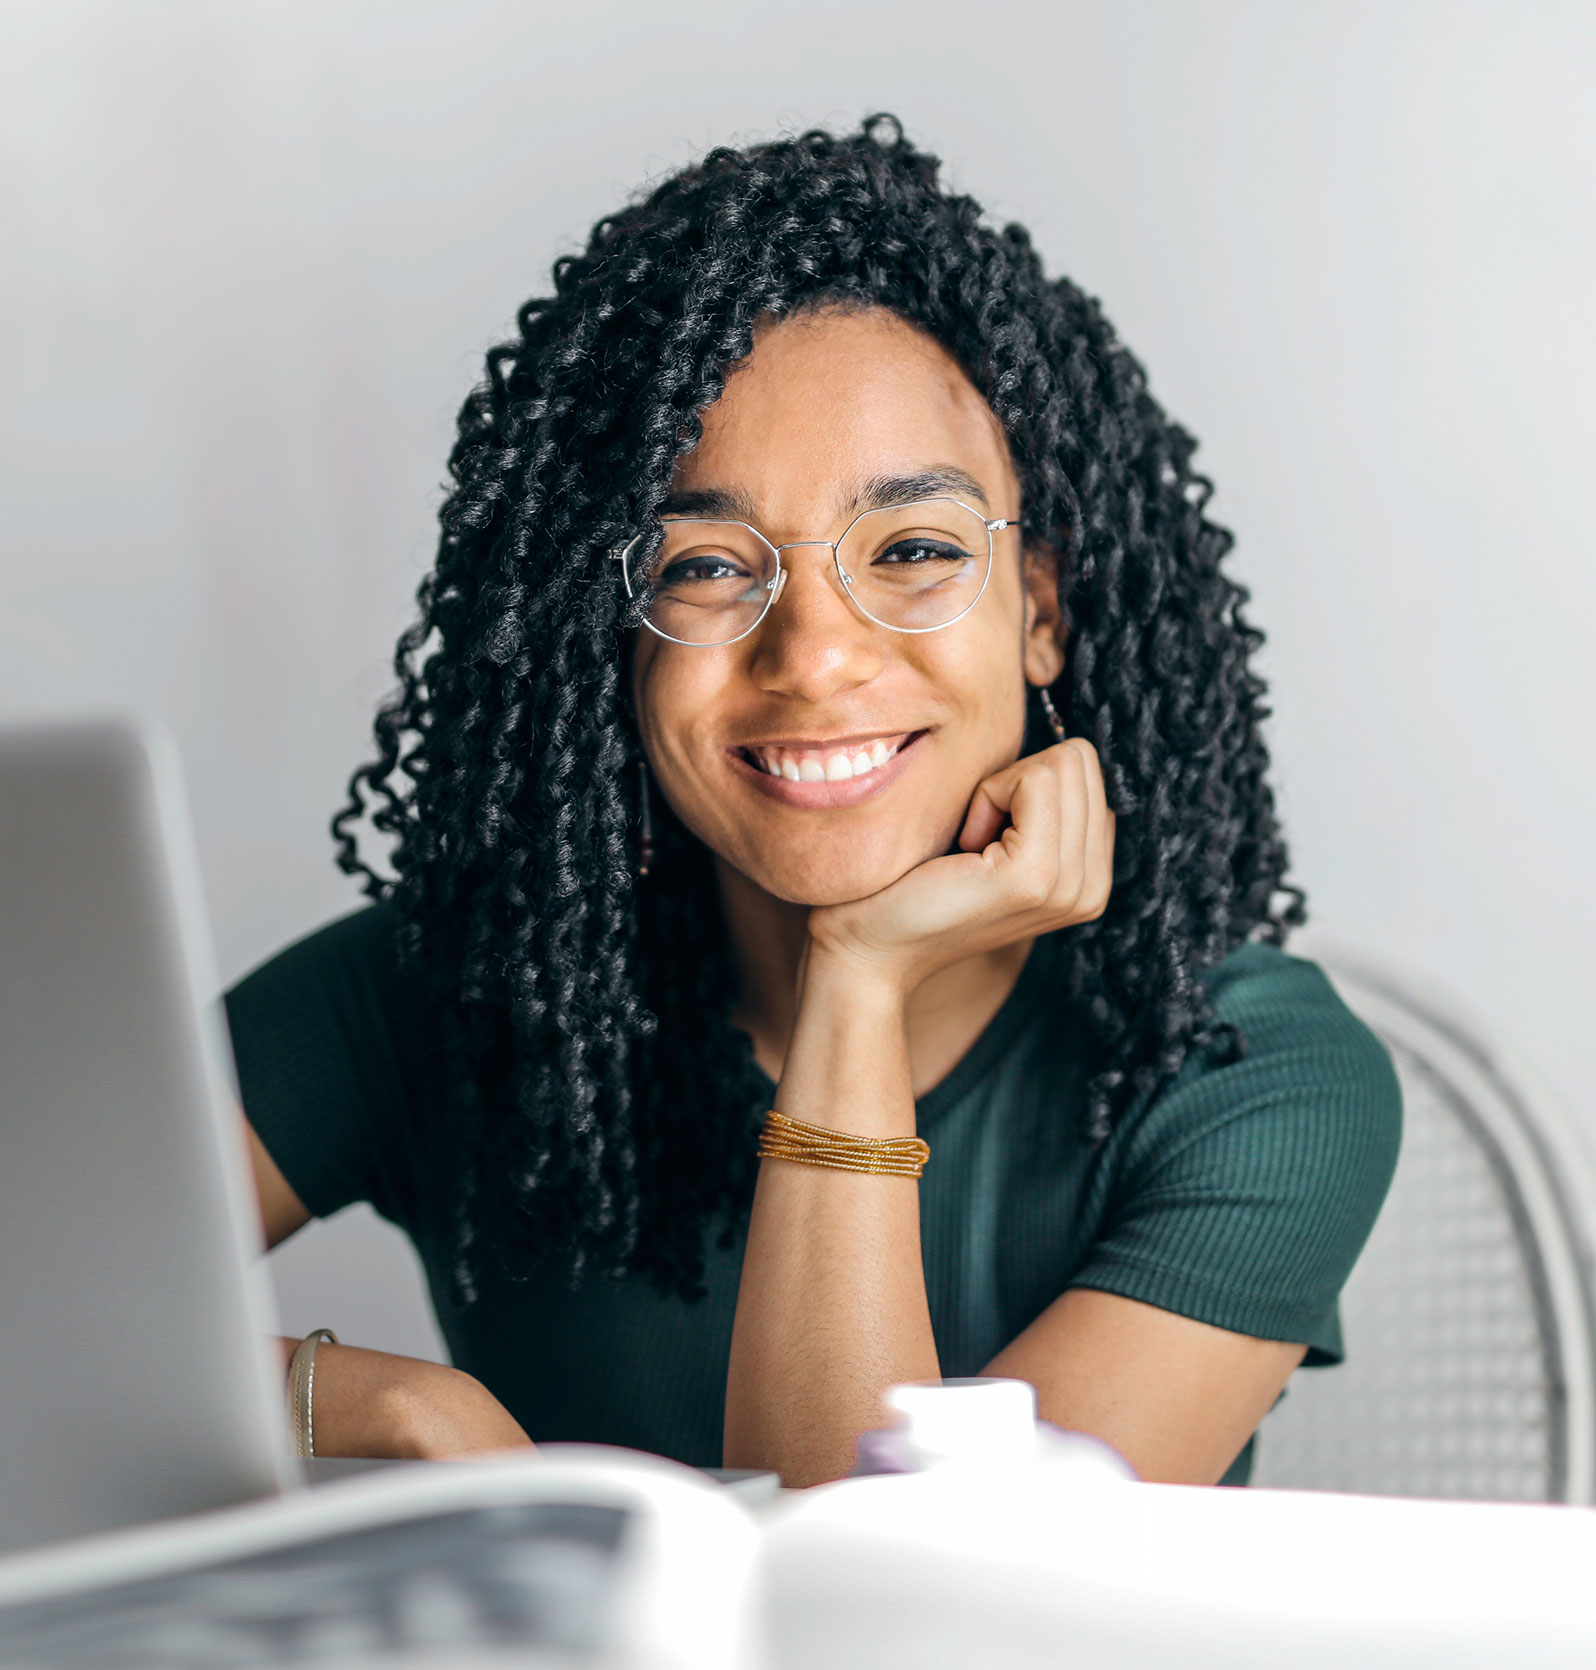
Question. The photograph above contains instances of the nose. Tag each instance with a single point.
(813, 643)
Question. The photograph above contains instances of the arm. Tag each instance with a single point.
(1177, 1398)
(1250, 1189)
(376, 1404)
(373, 1403)
(281, 1210)
(832, 1307)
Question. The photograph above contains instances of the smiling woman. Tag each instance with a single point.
(813, 552)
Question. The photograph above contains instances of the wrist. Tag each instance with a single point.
(836, 972)
(847, 1065)
(434, 1411)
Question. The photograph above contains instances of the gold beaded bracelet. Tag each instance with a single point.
(813, 1145)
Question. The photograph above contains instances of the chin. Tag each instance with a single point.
(804, 882)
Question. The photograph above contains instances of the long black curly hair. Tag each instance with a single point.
(606, 1103)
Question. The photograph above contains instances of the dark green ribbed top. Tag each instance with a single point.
(1241, 1195)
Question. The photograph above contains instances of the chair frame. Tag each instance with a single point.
(1540, 1159)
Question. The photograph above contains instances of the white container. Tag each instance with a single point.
(982, 1422)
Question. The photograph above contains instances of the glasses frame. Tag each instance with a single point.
(773, 586)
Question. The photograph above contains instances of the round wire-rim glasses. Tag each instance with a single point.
(773, 586)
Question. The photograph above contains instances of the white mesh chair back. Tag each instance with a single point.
(1471, 1347)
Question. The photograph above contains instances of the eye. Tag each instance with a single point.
(919, 550)
(698, 568)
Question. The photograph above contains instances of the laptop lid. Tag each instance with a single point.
(137, 1376)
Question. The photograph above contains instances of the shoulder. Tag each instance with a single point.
(340, 991)
(1311, 1098)
(350, 959)
(1281, 1003)
(361, 938)
(1246, 1187)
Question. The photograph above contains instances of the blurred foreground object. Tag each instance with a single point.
(619, 1561)
(1471, 1347)
(587, 1556)
(138, 1381)
(981, 1421)
(1009, 1569)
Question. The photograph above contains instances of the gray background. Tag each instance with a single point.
(250, 255)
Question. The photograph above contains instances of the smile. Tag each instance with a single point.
(823, 764)
(825, 776)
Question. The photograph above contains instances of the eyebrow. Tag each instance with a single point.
(938, 482)
(715, 503)
(734, 505)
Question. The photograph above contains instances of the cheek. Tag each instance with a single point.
(676, 694)
(983, 681)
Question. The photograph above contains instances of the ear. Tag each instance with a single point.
(1043, 648)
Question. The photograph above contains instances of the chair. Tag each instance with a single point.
(1470, 1320)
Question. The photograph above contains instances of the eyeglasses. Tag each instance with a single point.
(913, 567)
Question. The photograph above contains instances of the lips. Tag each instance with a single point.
(836, 762)
(829, 775)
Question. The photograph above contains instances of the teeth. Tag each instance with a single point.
(830, 768)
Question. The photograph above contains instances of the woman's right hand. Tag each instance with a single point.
(372, 1403)
(1036, 854)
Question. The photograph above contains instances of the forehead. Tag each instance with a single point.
(828, 402)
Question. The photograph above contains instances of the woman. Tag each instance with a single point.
(827, 700)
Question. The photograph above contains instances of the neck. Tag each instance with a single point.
(946, 1013)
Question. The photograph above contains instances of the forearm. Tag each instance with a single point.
(373, 1403)
(832, 1306)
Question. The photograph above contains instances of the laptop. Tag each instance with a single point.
(139, 1380)
(138, 1374)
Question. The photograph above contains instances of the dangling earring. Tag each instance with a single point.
(1055, 724)
(645, 831)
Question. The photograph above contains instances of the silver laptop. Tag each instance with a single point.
(137, 1374)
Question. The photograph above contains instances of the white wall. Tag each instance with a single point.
(249, 255)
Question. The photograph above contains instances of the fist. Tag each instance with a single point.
(1036, 854)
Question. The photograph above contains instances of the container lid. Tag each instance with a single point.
(984, 1420)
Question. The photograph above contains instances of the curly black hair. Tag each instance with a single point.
(606, 1102)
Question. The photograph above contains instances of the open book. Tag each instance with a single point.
(582, 1557)
(614, 1561)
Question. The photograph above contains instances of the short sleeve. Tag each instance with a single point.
(1246, 1191)
(324, 1037)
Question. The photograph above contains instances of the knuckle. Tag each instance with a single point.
(1032, 887)
(1094, 898)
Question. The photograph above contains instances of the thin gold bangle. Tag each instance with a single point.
(783, 1138)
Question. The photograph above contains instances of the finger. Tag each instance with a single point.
(989, 810)
(992, 802)
(1026, 855)
(1075, 802)
(1097, 872)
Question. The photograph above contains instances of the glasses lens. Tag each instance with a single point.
(916, 565)
(706, 582)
